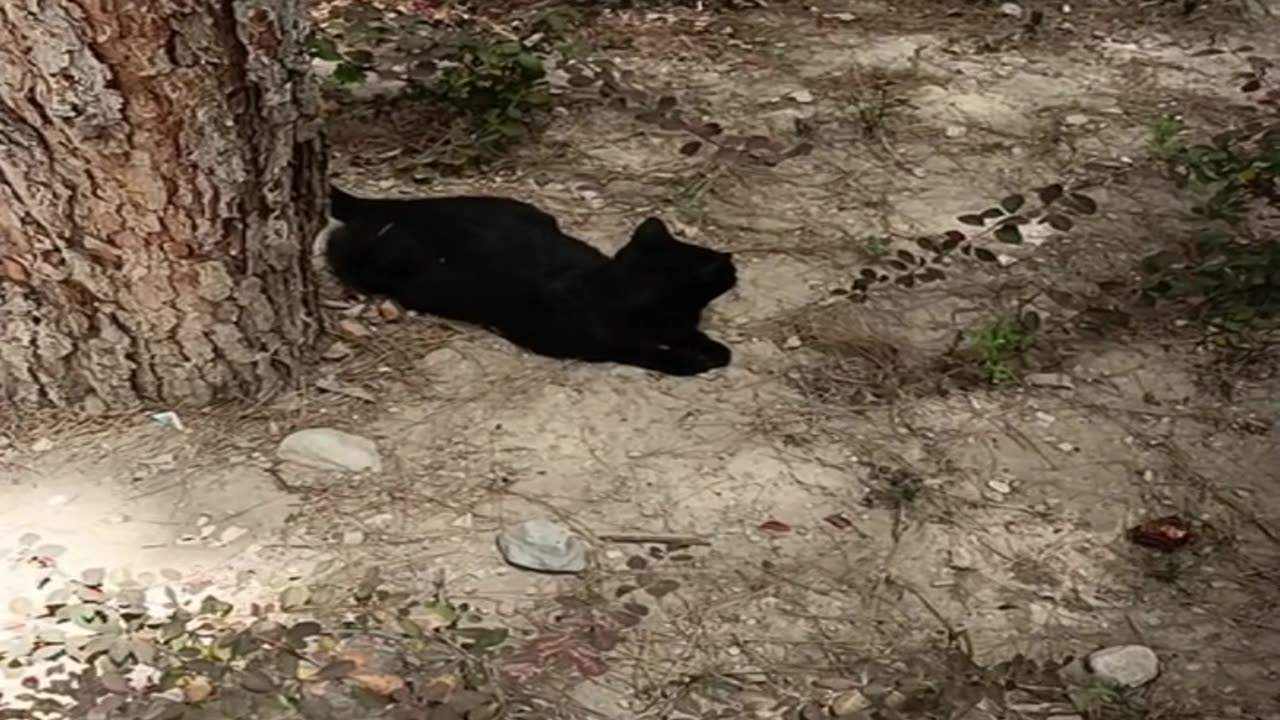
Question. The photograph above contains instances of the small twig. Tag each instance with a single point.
(685, 540)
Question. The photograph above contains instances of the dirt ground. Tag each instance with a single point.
(859, 515)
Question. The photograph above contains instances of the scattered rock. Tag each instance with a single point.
(337, 351)
(1076, 119)
(231, 533)
(960, 559)
(329, 449)
(841, 16)
(42, 445)
(1011, 9)
(389, 311)
(792, 343)
(543, 546)
(169, 419)
(1000, 486)
(1061, 381)
(1128, 666)
(849, 704)
(1066, 447)
(802, 96)
(352, 537)
(956, 131)
(353, 328)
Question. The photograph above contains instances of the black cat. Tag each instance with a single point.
(506, 265)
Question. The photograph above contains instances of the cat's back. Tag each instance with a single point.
(509, 236)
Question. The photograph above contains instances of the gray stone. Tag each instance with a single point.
(849, 704)
(329, 449)
(544, 546)
(1128, 666)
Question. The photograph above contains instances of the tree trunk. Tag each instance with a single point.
(161, 174)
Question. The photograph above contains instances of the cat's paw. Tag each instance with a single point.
(715, 354)
(689, 361)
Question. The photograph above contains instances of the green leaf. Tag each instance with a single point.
(298, 634)
(257, 681)
(1013, 203)
(323, 47)
(972, 219)
(985, 255)
(346, 73)
(1050, 194)
(1081, 203)
(363, 58)
(143, 650)
(530, 64)
(482, 638)
(1061, 223)
(336, 669)
(1009, 234)
(211, 605)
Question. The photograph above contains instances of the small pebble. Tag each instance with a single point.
(959, 559)
(801, 96)
(42, 445)
(1076, 119)
(1011, 9)
(1128, 666)
(543, 545)
(1000, 486)
(793, 342)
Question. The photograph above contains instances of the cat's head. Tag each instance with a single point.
(656, 257)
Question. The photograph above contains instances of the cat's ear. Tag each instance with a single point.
(652, 232)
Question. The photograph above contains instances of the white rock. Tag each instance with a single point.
(42, 445)
(544, 546)
(802, 96)
(1011, 9)
(1076, 119)
(792, 343)
(959, 559)
(1128, 666)
(1000, 486)
(955, 131)
(849, 704)
(352, 537)
(329, 449)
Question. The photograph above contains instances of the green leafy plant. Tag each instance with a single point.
(1058, 208)
(1230, 267)
(93, 648)
(500, 88)
(1000, 343)
(1165, 132)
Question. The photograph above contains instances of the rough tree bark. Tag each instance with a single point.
(161, 174)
